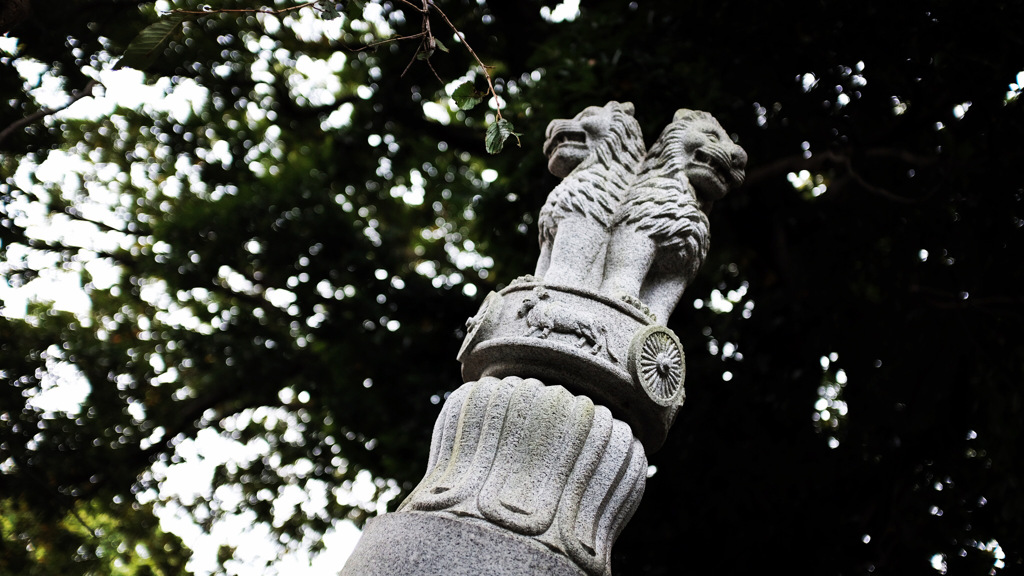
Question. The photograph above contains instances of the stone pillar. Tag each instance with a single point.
(540, 459)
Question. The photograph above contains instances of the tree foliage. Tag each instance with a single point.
(295, 252)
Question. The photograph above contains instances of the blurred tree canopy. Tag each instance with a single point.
(282, 245)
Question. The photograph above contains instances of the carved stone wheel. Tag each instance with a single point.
(657, 364)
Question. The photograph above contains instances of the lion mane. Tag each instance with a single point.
(664, 205)
(595, 188)
(589, 197)
(660, 234)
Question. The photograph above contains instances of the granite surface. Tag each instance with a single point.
(540, 459)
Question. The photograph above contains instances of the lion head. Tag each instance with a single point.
(570, 142)
(713, 163)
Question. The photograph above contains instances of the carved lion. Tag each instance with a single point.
(598, 154)
(660, 235)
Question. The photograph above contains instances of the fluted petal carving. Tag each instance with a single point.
(465, 440)
(538, 461)
(546, 429)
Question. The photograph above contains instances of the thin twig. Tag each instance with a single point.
(487, 75)
(829, 157)
(92, 532)
(409, 65)
(261, 10)
(75, 214)
(425, 28)
(436, 75)
(44, 112)
(387, 41)
(413, 6)
(900, 154)
(428, 42)
(848, 164)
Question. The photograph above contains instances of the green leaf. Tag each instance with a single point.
(143, 51)
(329, 10)
(354, 9)
(467, 96)
(497, 134)
(440, 45)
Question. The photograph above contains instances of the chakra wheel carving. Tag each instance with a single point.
(658, 365)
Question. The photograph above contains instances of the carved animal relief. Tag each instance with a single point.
(544, 315)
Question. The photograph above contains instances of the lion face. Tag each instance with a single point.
(714, 164)
(570, 142)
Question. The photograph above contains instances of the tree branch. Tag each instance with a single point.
(380, 42)
(260, 10)
(44, 112)
(74, 214)
(819, 160)
(485, 68)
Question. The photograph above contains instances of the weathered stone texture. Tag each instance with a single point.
(539, 461)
